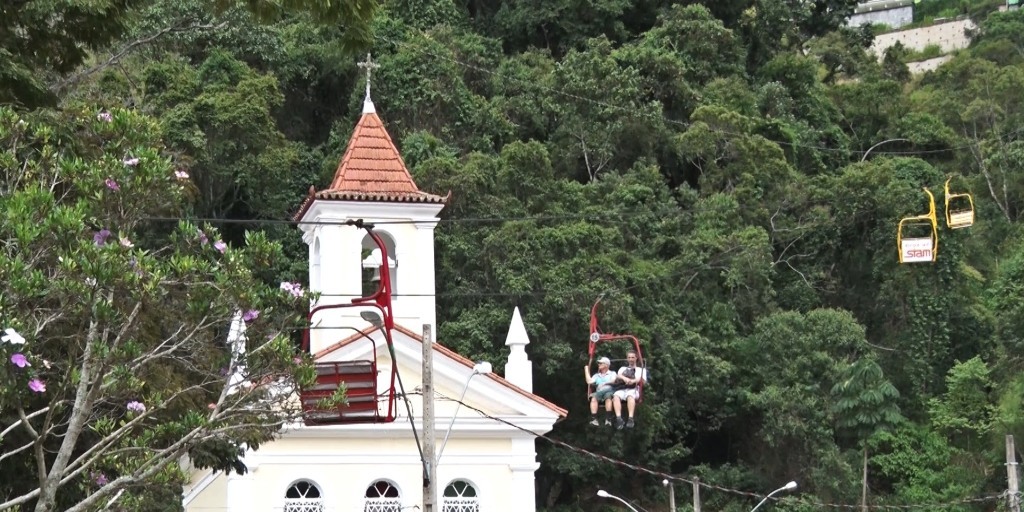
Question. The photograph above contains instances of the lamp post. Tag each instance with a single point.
(865, 157)
(788, 487)
(481, 368)
(601, 493)
(671, 495)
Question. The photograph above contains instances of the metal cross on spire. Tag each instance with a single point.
(369, 65)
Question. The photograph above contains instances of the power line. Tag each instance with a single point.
(673, 273)
(612, 217)
(662, 475)
(688, 271)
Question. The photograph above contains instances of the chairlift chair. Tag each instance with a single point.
(918, 249)
(597, 338)
(363, 397)
(959, 209)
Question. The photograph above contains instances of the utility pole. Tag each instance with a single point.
(429, 484)
(1011, 475)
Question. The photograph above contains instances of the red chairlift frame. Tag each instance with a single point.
(596, 338)
(381, 300)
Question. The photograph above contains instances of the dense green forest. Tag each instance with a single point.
(703, 166)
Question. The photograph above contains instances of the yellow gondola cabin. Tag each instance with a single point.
(922, 241)
(959, 209)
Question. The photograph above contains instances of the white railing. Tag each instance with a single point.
(383, 505)
(460, 505)
(304, 505)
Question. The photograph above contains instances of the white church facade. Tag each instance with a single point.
(485, 450)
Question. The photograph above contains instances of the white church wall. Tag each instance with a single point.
(344, 468)
(212, 496)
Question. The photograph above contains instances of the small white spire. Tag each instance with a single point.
(369, 65)
(516, 331)
(237, 340)
(518, 368)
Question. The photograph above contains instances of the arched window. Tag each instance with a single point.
(460, 496)
(303, 496)
(371, 258)
(382, 496)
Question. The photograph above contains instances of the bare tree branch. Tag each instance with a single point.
(22, 417)
(17, 450)
(129, 48)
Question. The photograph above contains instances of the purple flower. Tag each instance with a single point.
(131, 162)
(220, 246)
(181, 175)
(250, 315)
(202, 238)
(101, 236)
(100, 479)
(293, 288)
(19, 360)
(37, 385)
(136, 406)
(105, 117)
(112, 185)
(134, 264)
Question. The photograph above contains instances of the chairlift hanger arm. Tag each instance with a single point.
(596, 337)
(382, 297)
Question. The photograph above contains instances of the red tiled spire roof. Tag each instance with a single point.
(371, 169)
(371, 164)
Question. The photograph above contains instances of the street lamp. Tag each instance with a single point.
(373, 317)
(865, 157)
(601, 493)
(671, 494)
(788, 487)
(481, 368)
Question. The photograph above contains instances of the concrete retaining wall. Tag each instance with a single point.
(949, 36)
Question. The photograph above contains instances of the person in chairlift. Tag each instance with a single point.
(603, 382)
(628, 378)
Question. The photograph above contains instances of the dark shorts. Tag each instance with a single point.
(604, 393)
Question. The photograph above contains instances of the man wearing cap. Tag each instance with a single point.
(603, 382)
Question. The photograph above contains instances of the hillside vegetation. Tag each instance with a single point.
(703, 166)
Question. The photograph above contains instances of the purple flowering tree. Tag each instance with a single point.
(114, 362)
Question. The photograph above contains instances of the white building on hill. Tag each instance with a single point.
(894, 13)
